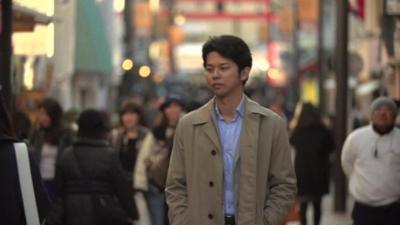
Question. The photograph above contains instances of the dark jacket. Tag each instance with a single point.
(100, 166)
(313, 145)
(11, 206)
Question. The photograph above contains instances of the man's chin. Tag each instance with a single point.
(382, 129)
(220, 94)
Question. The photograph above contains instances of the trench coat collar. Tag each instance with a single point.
(204, 115)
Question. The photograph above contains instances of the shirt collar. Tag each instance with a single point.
(239, 111)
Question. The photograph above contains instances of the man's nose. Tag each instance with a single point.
(215, 73)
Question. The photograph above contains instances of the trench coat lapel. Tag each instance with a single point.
(211, 132)
(208, 124)
(247, 169)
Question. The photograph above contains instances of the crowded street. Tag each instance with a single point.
(200, 112)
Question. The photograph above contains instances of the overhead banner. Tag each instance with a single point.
(142, 18)
(308, 10)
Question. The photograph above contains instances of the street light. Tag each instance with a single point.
(144, 71)
(127, 64)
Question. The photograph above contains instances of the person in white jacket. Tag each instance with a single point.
(371, 161)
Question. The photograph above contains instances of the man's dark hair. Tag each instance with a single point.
(230, 47)
(93, 124)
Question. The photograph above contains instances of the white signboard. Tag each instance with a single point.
(38, 42)
(393, 7)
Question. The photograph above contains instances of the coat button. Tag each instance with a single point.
(211, 184)
(210, 216)
(213, 152)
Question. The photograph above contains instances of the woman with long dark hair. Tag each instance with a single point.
(11, 204)
(48, 139)
(313, 144)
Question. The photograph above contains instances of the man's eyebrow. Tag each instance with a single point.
(221, 64)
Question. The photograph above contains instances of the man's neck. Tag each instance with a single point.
(227, 105)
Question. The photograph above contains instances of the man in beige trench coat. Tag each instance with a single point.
(231, 161)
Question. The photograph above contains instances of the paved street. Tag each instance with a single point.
(329, 217)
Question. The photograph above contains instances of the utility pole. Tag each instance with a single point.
(5, 51)
(341, 71)
(321, 57)
(293, 84)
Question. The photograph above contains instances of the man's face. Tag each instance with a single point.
(223, 75)
(383, 117)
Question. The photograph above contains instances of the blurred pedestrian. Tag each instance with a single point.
(90, 180)
(371, 161)
(48, 140)
(151, 112)
(230, 161)
(172, 110)
(278, 107)
(11, 203)
(70, 119)
(134, 144)
(313, 143)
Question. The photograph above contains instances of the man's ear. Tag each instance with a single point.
(244, 74)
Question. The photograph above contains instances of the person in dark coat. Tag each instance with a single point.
(313, 144)
(89, 171)
(48, 140)
(11, 205)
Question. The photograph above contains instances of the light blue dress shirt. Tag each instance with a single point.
(229, 133)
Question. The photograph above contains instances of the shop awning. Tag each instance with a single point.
(92, 50)
(24, 19)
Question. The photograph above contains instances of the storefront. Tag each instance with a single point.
(33, 49)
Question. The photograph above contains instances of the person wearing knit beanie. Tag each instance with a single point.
(371, 160)
(384, 101)
(383, 114)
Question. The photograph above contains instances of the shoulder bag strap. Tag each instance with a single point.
(25, 180)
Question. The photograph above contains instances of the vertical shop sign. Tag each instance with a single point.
(142, 18)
